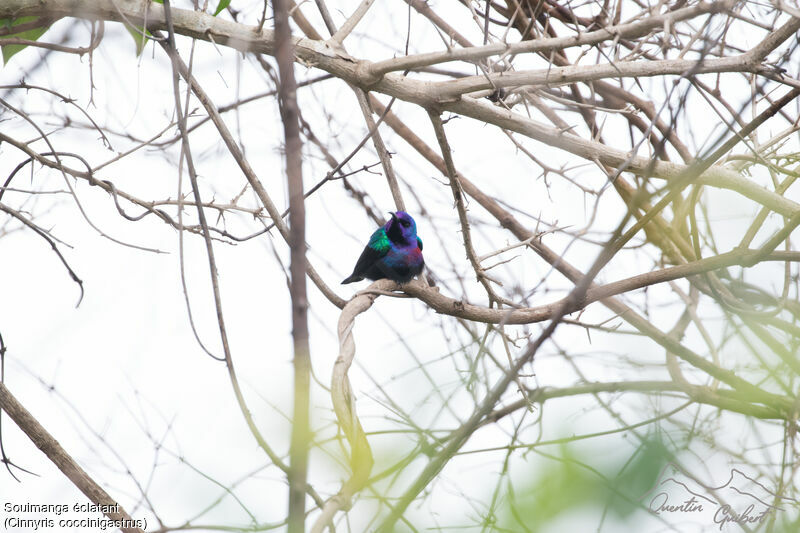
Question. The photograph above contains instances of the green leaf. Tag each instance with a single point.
(31, 35)
(222, 5)
(586, 481)
(138, 38)
(640, 473)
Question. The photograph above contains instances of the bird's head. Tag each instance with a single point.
(401, 228)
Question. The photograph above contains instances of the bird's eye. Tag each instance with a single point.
(405, 223)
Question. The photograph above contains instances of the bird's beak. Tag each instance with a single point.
(394, 215)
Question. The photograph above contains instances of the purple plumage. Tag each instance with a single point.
(394, 251)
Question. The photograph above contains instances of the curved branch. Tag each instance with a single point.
(43, 234)
(344, 405)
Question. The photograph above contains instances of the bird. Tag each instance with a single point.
(394, 251)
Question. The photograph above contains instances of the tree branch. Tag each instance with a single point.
(59, 457)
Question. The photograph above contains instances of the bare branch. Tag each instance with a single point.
(53, 450)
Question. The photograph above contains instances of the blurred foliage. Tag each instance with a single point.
(222, 5)
(572, 481)
(140, 37)
(31, 35)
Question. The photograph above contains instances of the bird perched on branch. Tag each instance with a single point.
(394, 251)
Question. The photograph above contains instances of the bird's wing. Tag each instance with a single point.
(419, 243)
(367, 258)
(380, 242)
(377, 247)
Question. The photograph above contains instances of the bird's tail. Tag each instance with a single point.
(351, 278)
